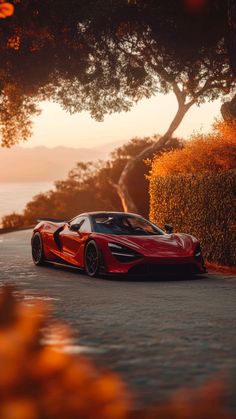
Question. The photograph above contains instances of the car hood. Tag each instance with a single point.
(166, 245)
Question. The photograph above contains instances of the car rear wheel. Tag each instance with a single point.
(37, 249)
(92, 259)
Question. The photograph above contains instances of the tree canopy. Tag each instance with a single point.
(102, 56)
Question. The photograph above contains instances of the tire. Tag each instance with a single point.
(92, 259)
(37, 249)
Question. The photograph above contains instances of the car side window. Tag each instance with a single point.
(85, 227)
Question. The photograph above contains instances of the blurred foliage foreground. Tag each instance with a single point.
(194, 188)
(40, 381)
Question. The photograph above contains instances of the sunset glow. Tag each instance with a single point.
(150, 116)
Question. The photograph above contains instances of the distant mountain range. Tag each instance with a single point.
(40, 164)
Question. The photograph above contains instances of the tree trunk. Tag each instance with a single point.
(122, 186)
(228, 110)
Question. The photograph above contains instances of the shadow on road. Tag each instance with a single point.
(129, 278)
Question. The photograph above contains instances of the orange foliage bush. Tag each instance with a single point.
(203, 153)
(194, 188)
(38, 381)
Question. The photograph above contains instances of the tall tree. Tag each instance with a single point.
(160, 50)
(102, 56)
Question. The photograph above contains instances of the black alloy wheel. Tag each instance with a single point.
(37, 249)
(91, 259)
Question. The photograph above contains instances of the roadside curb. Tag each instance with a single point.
(214, 267)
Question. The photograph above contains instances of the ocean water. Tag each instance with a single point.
(14, 196)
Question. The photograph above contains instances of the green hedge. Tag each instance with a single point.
(203, 205)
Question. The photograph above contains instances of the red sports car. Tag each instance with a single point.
(116, 243)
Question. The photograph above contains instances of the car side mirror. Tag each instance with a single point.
(75, 227)
(169, 228)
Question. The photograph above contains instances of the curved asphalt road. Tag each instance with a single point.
(159, 335)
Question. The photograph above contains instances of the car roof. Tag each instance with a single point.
(107, 213)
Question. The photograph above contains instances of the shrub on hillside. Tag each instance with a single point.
(13, 220)
(88, 187)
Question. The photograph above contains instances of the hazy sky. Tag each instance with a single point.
(56, 127)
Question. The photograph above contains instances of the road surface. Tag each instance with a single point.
(159, 335)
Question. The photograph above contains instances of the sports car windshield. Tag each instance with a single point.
(124, 225)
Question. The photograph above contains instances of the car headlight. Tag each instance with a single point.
(123, 253)
(198, 252)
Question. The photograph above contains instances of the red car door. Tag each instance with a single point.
(73, 238)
